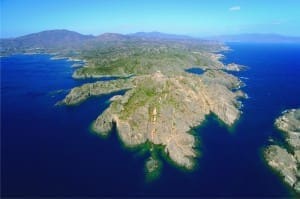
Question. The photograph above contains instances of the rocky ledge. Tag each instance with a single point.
(162, 109)
(286, 160)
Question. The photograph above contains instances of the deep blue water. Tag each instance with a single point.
(48, 150)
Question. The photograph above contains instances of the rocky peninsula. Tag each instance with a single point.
(286, 159)
(162, 109)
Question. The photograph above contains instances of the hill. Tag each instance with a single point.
(50, 39)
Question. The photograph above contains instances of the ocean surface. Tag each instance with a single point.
(48, 150)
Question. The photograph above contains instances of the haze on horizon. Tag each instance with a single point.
(195, 18)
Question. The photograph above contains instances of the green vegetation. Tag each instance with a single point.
(139, 97)
(144, 59)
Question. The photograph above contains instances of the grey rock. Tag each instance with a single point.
(287, 163)
(234, 67)
(152, 165)
(162, 109)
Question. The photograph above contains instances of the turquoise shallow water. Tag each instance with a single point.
(49, 150)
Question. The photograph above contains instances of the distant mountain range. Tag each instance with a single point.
(256, 38)
(66, 37)
(65, 40)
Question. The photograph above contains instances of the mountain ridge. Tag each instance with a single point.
(244, 37)
(62, 40)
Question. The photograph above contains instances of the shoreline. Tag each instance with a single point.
(285, 158)
(148, 148)
(262, 157)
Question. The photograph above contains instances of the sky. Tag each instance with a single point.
(190, 17)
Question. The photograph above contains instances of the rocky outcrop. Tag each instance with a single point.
(287, 160)
(152, 165)
(79, 94)
(289, 124)
(162, 109)
(234, 67)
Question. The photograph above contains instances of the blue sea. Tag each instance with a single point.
(48, 150)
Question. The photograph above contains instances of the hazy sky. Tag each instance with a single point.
(193, 17)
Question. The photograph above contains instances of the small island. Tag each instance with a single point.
(286, 159)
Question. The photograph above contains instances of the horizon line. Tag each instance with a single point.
(194, 35)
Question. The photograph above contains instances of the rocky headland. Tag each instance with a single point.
(162, 109)
(286, 159)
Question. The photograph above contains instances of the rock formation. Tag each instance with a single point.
(234, 67)
(286, 160)
(162, 109)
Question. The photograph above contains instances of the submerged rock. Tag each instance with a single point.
(152, 165)
(287, 161)
(153, 168)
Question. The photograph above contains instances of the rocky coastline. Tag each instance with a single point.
(286, 159)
